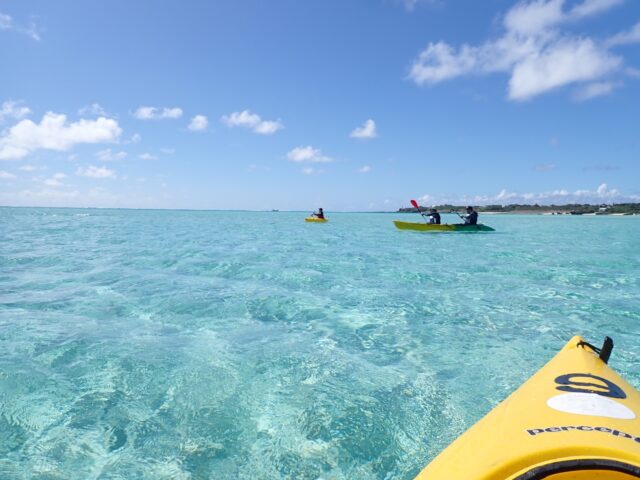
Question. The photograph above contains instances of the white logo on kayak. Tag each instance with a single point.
(590, 404)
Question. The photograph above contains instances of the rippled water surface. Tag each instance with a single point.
(223, 345)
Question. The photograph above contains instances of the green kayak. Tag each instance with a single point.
(432, 227)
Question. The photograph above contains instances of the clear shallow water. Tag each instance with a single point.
(175, 345)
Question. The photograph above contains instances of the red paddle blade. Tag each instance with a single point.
(415, 204)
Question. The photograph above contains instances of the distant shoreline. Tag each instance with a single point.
(613, 210)
(619, 209)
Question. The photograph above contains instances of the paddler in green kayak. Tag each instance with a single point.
(434, 216)
(471, 218)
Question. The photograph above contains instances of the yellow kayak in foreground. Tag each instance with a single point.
(575, 419)
(316, 220)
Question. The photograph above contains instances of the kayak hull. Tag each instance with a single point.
(315, 220)
(574, 419)
(432, 227)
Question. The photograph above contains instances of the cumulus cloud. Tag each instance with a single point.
(7, 23)
(410, 5)
(568, 62)
(308, 154)
(95, 172)
(107, 155)
(560, 196)
(625, 38)
(54, 181)
(6, 175)
(602, 194)
(534, 51)
(11, 109)
(592, 7)
(55, 133)
(368, 130)
(198, 123)
(364, 169)
(94, 109)
(147, 156)
(593, 90)
(253, 121)
(154, 113)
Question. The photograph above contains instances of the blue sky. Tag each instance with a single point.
(349, 105)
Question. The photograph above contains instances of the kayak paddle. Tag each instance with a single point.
(415, 204)
(457, 213)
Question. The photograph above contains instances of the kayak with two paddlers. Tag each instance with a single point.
(432, 222)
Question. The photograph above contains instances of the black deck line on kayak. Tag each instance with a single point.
(604, 352)
(594, 464)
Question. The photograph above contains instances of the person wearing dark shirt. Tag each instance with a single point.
(434, 216)
(320, 214)
(471, 218)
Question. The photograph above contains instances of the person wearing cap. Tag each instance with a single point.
(434, 216)
(471, 218)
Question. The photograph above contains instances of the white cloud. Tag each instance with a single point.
(592, 7)
(135, 138)
(7, 23)
(368, 130)
(533, 50)
(107, 155)
(267, 127)
(54, 181)
(27, 168)
(534, 16)
(168, 151)
(410, 5)
(94, 110)
(559, 196)
(11, 109)
(564, 63)
(147, 156)
(593, 90)
(364, 169)
(54, 133)
(601, 194)
(247, 119)
(310, 171)
(307, 154)
(198, 123)
(154, 113)
(6, 175)
(95, 172)
(625, 38)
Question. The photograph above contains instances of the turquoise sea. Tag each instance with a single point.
(243, 345)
